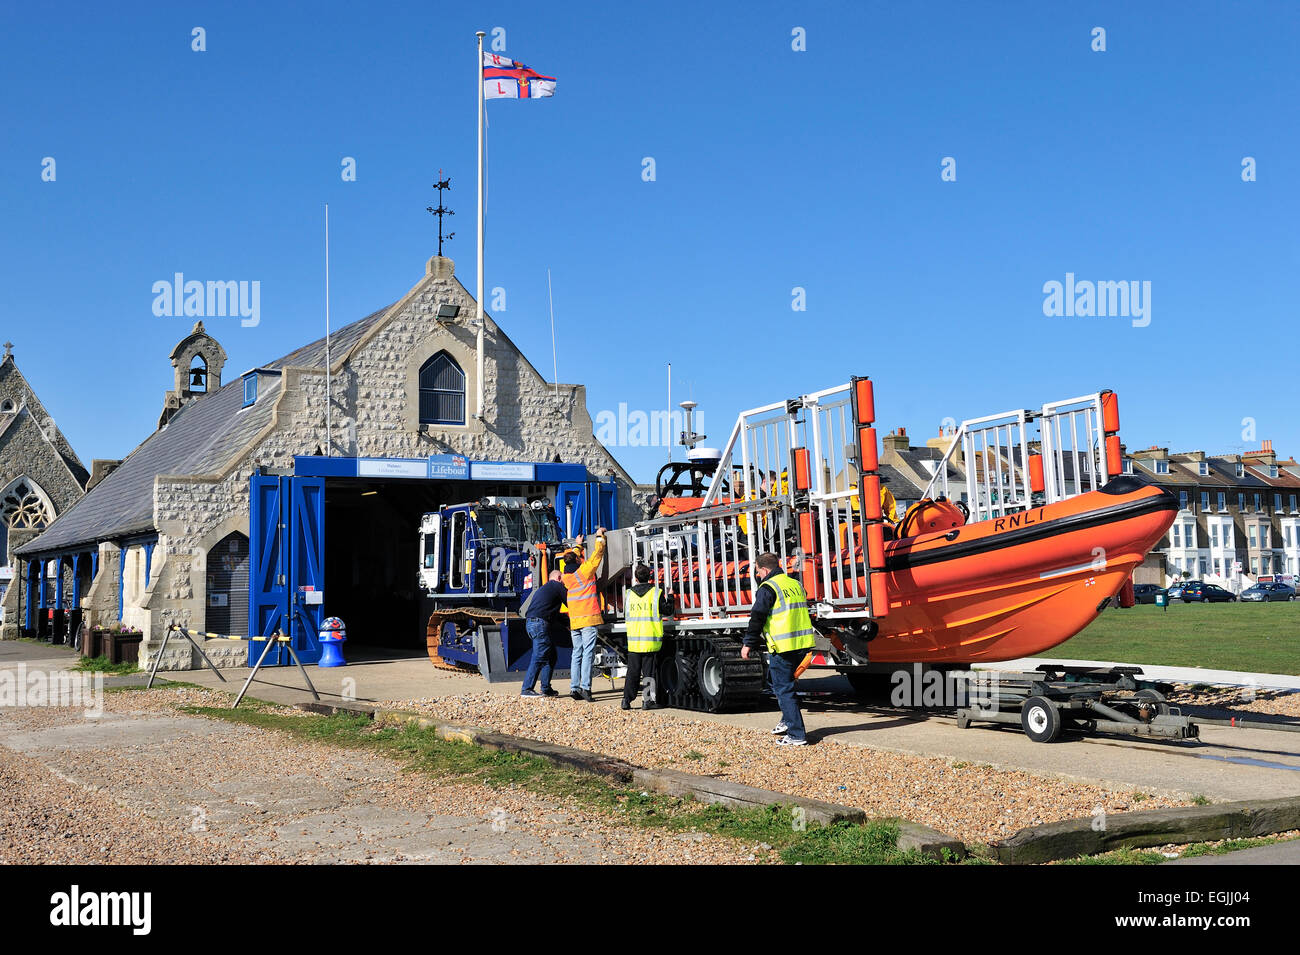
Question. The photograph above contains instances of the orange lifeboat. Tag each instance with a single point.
(1018, 585)
(997, 589)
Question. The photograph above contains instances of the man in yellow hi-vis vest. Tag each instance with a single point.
(645, 607)
(780, 621)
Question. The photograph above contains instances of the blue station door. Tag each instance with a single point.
(582, 507)
(286, 543)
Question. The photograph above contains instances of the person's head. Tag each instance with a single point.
(555, 575)
(643, 574)
(569, 564)
(768, 564)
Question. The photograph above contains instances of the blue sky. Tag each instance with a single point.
(775, 169)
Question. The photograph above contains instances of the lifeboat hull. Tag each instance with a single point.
(1016, 586)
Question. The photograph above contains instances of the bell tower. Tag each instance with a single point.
(196, 366)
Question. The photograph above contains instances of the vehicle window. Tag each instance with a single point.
(456, 544)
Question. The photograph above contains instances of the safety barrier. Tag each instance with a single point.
(787, 482)
(1018, 459)
(270, 641)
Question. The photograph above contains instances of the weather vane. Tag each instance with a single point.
(441, 210)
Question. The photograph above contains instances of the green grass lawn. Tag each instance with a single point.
(1257, 637)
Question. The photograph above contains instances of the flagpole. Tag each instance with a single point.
(555, 367)
(329, 441)
(478, 297)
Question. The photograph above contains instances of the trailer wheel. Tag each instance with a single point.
(1040, 719)
(709, 677)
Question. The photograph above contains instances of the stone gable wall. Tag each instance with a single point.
(375, 414)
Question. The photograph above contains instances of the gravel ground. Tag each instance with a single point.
(970, 801)
(44, 819)
(264, 796)
(1238, 699)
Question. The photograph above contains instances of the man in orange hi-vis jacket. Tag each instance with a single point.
(584, 612)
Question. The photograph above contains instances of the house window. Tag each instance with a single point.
(1205, 501)
(1293, 507)
(1241, 503)
(1266, 564)
(1214, 535)
(1203, 467)
(1272, 470)
(1265, 537)
(1128, 465)
(442, 391)
(1254, 537)
(250, 390)
(1182, 500)
(1177, 531)
(1162, 467)
(1223, 501)
(1241, 469)
(1205, 566)
(1258, 510)
(1277, 503)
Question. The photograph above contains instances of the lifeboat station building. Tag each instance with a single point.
(331, 500)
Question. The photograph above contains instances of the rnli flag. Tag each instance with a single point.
(504, 78)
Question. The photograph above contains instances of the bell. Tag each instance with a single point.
(197, 378)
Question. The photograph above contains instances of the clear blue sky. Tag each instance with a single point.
(775, 169)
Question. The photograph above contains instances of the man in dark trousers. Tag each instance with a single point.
(781, 622)
(542, 620)
(645, 607)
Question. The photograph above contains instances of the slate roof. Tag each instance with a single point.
(202, 438)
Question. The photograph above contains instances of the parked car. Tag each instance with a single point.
(1146, 593)
(1270, 591)
(1176, 591)
(1198, 592)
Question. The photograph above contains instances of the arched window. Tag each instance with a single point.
(442, 391)
(227, 570)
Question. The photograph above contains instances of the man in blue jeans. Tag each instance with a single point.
(541, 620)
(780, 622)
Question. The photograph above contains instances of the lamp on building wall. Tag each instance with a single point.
(447, 312)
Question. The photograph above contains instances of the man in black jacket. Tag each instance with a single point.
(542, 620)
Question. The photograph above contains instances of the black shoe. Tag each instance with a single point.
(550, 692)
(575, 694)
(625, 705)
(650, 706)
(586, 695)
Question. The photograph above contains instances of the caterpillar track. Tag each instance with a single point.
(706, 673)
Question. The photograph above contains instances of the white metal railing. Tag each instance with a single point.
(993, 453)
(705, 557)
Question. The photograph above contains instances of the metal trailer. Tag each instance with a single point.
(799, 478)
(1050, 701)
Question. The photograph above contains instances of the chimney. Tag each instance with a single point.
(895, 442)
(100, 468)
(1263, 456)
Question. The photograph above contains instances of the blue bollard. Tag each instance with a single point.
(332, 634)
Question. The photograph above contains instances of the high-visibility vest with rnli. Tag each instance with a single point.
(789, 625)
(645, 628)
